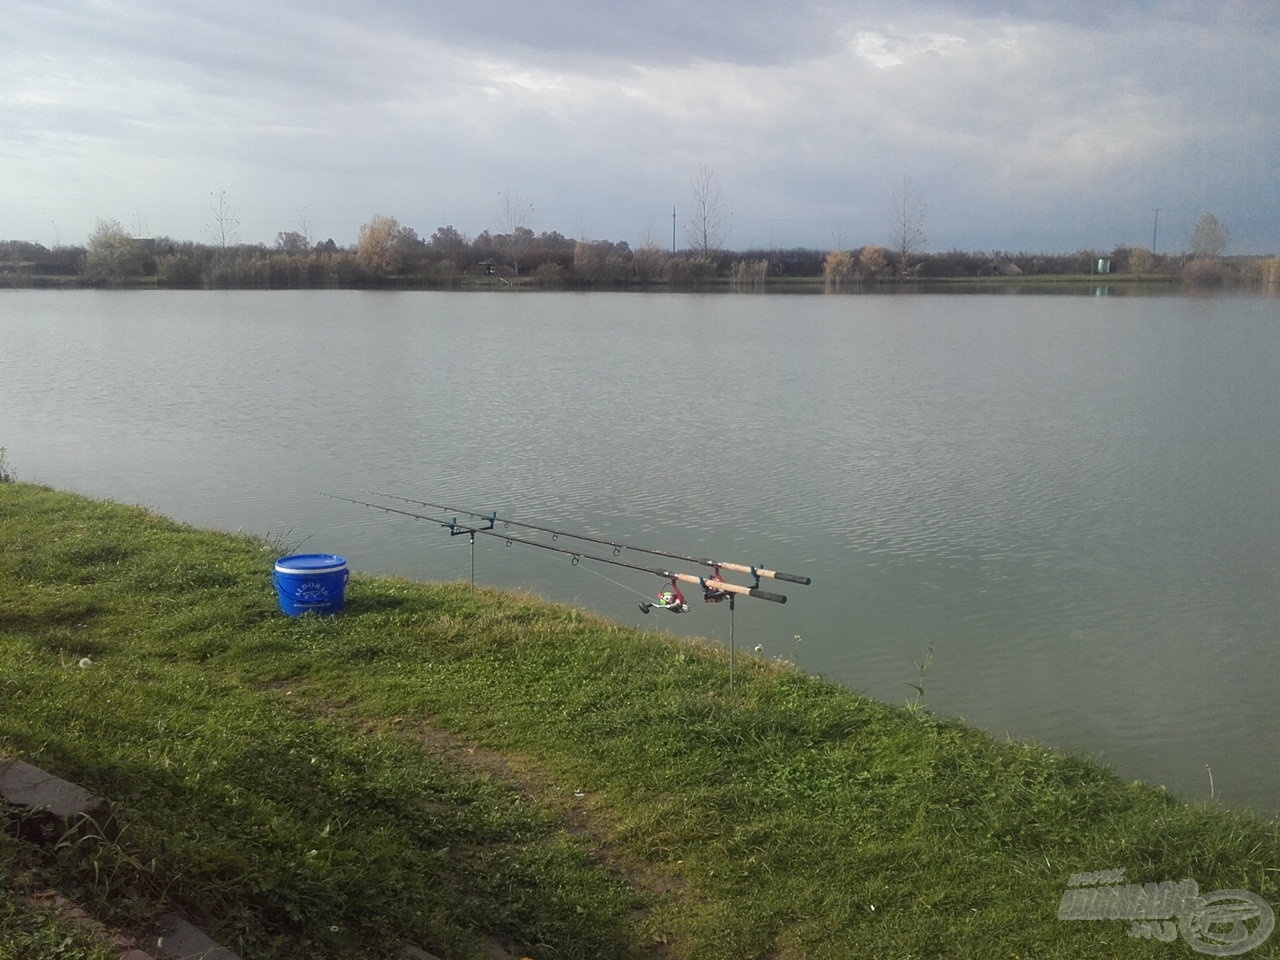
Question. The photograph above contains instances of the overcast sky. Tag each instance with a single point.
(1023, 125)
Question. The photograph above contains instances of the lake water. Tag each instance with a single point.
(1071, 500)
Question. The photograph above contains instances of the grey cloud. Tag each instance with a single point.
(1023, 123)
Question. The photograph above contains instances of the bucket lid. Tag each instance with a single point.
(311, 563)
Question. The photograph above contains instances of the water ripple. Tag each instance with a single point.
(1070, 500)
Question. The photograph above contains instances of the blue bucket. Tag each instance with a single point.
(311, 583)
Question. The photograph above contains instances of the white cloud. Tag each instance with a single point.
(875, 49)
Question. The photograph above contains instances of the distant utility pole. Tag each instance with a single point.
(673, 229)
(1155, 226)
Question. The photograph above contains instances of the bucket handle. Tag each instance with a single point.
(275, 578)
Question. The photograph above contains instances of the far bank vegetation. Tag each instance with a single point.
(391, 254)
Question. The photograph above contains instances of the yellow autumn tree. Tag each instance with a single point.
(839, 269)
(383, 246)
(874, 261)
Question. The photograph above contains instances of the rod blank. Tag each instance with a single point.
(455, 527)
(715, 564)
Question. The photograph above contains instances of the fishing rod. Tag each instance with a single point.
(709, 585)
(754, 571)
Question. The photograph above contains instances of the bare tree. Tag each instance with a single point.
(908, 237)
(224, 231)
(515, 215)
(705, 229)
(304, 227)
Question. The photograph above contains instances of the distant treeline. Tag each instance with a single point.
(393, 256)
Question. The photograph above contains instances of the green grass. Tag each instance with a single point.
(31, 932)
(456, 768)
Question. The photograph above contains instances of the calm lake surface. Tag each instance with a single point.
(1071, 500)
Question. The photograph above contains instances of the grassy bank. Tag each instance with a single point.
(470, 770)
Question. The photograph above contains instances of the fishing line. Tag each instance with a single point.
(492, 518)
(455, 528)
(616, 583)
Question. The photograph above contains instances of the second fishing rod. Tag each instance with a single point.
(617, 546)
(455, 528)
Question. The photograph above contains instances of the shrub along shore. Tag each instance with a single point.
(485, 774)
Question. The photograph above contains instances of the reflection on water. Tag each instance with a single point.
(1070, 499)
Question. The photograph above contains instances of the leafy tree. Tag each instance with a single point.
(384, 246)
(181, 263)
(19, 251)
(601, 261)
(1141, 260)
(690, 271)
(586, 261)
(484, 246)
(112, 254)
(874, 260)
(549, 274)
(908, 237)
(291, 241)
(790, 262)
(839, 268)
(649, 262)
(1266, 272)
(1210, 237)
(1207, 272)
(19, 258)
(447, 244)
(554, 246)
(180, 270)
(705, 229)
